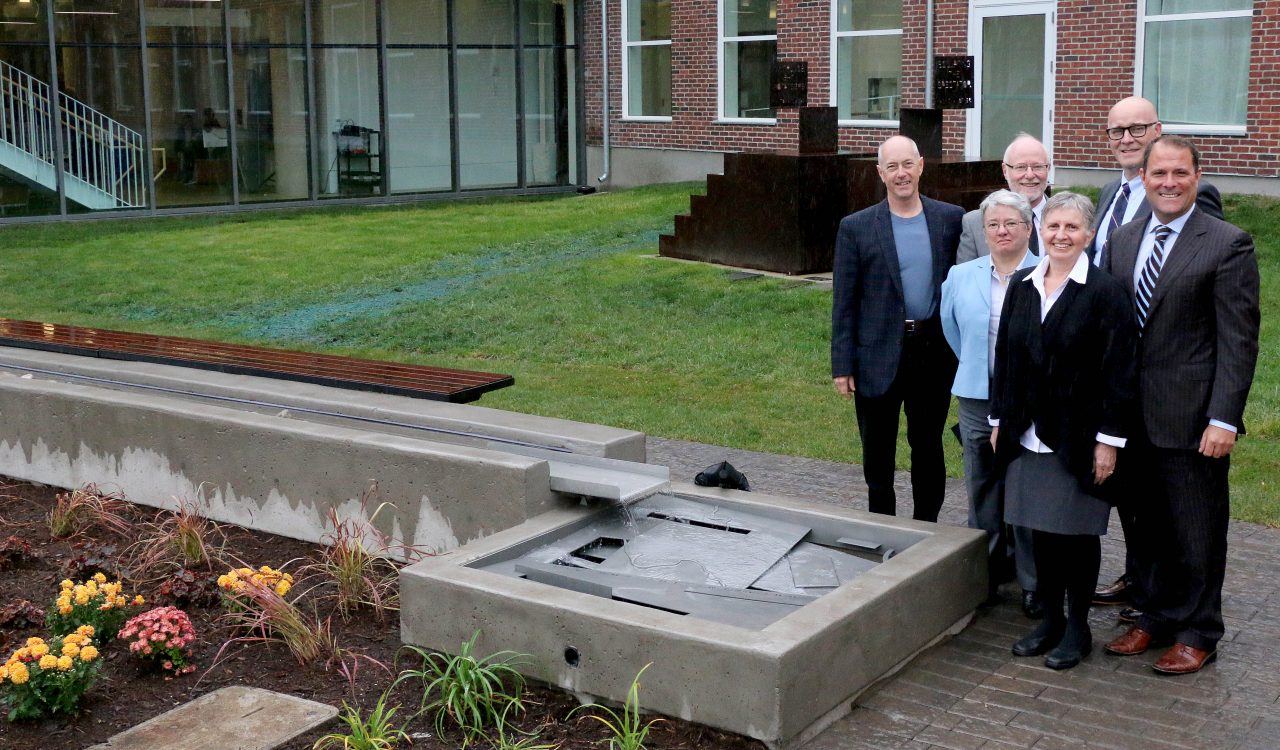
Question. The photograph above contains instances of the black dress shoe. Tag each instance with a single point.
(1129, 614)
(1032, 607)
(1042, 639)
(1074, 646)
(1116, 592)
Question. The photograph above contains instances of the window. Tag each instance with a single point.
(867, 52)
(1195, 62)
(646, 61)
(748, 47)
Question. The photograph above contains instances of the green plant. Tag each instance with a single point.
(625, 728)
(257, 609)
(470, 691)
(375, 732)
(96, 602)
(527, 740)
(77, 510)
(42, 679)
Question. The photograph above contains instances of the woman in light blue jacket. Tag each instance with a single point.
(971, 300)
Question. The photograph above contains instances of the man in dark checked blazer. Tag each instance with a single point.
(1194, 281)
(887, 347)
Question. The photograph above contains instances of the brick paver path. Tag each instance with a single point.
(971, 692)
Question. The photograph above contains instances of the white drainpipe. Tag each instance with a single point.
(604, 75)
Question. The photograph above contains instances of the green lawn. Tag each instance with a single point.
(556, 291)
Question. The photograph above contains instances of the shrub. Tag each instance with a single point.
(95, 602)
(467, 690)
(191, 588)
(355, 559)
(257, 608)
(373, 733)
(15, 551)
(182, 538)
(161, 638)
(42, 679)
(20, 615)
(88, 506)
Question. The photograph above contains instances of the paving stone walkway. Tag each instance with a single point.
(970, 692)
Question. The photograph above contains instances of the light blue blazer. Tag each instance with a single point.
(966, 316)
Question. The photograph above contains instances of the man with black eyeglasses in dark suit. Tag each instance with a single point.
(1132, 123)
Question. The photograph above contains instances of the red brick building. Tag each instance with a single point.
(688, 79)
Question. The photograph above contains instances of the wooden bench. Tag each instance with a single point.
(418, 381)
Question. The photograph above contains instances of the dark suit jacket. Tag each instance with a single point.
(1197, 354)
(1208, 199)
(867, 311)
(1073, 375)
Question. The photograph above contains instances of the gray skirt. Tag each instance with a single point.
(1039, 493)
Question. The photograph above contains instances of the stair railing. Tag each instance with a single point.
(96, 149)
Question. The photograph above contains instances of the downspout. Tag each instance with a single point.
(928, 55)
(604, 85)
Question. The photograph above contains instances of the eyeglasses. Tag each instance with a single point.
(1026, 168)
(1137, 130)
(1008, 226)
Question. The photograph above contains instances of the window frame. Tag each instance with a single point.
(722, 42)
(626, 67)
(836, 36)
(1140, 60)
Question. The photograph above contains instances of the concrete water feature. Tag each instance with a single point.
(825, 601)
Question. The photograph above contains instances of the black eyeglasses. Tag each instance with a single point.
(1137, 130)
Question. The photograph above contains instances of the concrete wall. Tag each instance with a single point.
(266, 472)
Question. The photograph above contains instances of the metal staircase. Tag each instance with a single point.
(103, 164)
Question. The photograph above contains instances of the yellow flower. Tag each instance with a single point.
(39, 649)
(66, 583)
(138, 601)
(4, 672)
(64, 609)
(65, 663)
(88, 653)
(18, 673)
(82, 597)
(48, 661)
(33, 641)
(70, 649)
(282, 588)
(99, 577)
(85, 630)
(21, 654)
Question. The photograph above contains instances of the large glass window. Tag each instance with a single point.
(646, 27)
(748, 47)
(269, 59)
(190, 112)
(1195, 62)
(348, 127)
(418, 118)
(28, 183)
(867, 41)
(550, 92)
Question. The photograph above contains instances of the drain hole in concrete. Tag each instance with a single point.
(597, 551)
(696, 522)
(572, 657)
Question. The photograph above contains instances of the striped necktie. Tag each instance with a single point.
(1117, 212)
(1150, 273)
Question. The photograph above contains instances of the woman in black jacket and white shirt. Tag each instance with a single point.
(1060, 402)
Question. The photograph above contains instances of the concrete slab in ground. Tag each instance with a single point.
(232, 718)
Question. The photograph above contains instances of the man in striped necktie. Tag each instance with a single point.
(1194, 281)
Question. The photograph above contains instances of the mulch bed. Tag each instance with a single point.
(125, 696)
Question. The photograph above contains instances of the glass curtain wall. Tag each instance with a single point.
(28, 183)
(251, 101)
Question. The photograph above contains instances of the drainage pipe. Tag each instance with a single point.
(928, 55)
(604, 85)
(285, 407)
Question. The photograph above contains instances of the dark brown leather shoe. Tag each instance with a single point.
(1132, 643)
(1129, 615)
(1116, 592)
(1183, 659)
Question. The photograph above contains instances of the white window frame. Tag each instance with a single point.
(721, 41)
(1143, 20)
(626, 68)
(836, 36)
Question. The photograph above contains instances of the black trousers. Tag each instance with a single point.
(921, 388)
(1182, 516)
(1066, 573)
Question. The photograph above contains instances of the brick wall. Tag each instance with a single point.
(1095, 67)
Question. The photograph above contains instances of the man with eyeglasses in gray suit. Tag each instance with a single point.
(1026, 170)
(1132, 123)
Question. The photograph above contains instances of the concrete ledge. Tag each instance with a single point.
(578, 437)
(266, 472)
(770, 684)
